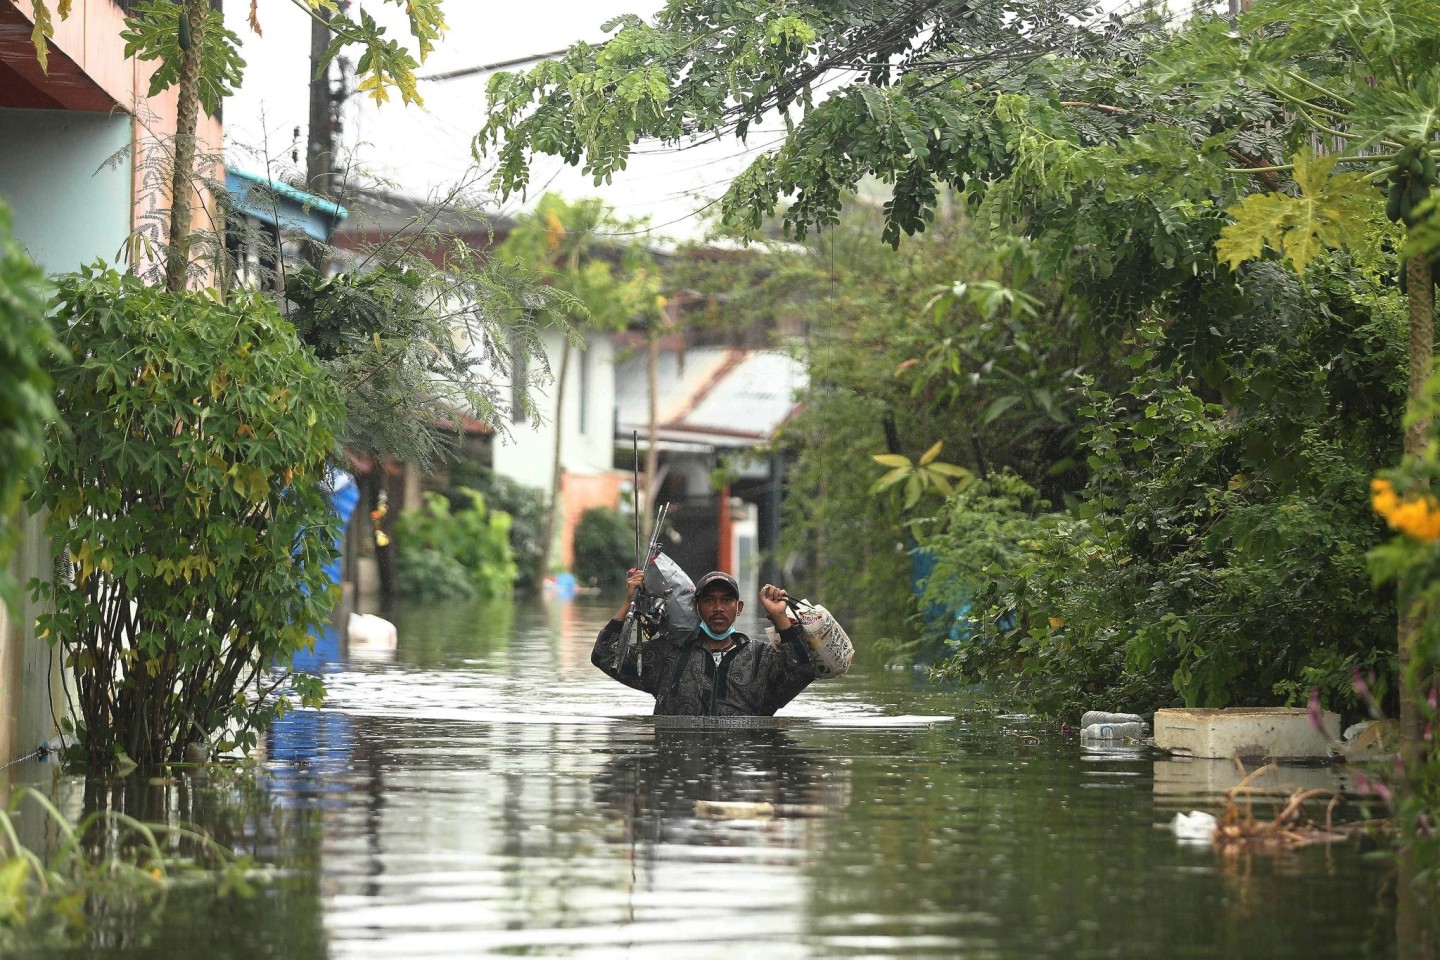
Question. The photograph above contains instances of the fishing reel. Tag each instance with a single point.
(650, 615)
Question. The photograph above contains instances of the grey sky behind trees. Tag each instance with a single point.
(421, 151)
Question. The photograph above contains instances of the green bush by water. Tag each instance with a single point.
(455, 554)
(604, 547)
(524, 504)
(182, 482)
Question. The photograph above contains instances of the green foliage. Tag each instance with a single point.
(440, 544)
(402, 339)
(1219, 554)
(182, 486)
(948, 340)
(107, 858)
(903, 115)
(1330, 212)
(524, 504)
(428, 574)
(160, 31)
(1410, 561)
(604, 547)
(605, 284)
(920, 476)
(26, 343)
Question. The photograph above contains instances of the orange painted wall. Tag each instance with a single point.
(577, 494)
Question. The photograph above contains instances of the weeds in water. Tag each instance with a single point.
(106, 865)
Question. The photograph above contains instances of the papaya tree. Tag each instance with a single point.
(201, 58)
(1362, 81)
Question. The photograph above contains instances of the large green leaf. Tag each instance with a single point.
(1331, 212)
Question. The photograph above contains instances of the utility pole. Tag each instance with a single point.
(320, 146)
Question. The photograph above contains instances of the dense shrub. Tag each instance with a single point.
(524, 504)
(604, 547)
(182, 484)
(438, 546)
(25, 403)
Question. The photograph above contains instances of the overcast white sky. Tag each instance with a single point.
(428, 149)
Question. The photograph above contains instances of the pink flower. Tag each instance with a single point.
(1314, 709)
(1358, 682)
(1431, 698)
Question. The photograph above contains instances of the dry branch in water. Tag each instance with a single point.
(1238, 829)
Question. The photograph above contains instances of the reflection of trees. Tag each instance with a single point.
(233, 809)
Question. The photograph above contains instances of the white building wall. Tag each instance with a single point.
(528, 456)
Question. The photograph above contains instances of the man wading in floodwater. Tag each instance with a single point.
(715, 671)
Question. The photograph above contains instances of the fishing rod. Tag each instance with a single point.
(635, 485)
(640, 600)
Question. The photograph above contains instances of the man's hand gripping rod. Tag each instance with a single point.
(628, 632)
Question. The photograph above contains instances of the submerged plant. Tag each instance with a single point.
(106, 856)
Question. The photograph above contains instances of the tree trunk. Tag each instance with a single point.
(1415, 926)
(320, 143)
(1422, 352)
(652, 450)
(549, 535)
(182, 177)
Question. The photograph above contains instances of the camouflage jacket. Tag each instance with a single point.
(752, 679)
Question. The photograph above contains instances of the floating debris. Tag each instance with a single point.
(1195, 826)
(1238, 829)
(742, 810)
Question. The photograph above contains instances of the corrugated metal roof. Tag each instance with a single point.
(725, 396)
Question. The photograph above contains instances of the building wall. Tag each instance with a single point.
(578, 494)
(68, 208)
(77, 194)
(588, 448)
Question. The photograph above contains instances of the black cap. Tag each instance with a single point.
(717, 576)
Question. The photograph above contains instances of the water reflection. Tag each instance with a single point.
(653, 784)
(488, 793)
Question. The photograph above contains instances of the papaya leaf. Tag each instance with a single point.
(890, 479)
(1331, 212)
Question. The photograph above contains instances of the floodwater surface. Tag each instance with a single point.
(484, 791)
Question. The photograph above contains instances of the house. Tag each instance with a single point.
(81, 168)
(525, 448)
(714, 406)
(265, 220)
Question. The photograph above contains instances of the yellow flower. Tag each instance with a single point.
(1417, 517)
(554, 229)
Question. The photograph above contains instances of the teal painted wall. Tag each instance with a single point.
(69, 208)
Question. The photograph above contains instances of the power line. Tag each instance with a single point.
(488, 67)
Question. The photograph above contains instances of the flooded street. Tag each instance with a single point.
(484, 791)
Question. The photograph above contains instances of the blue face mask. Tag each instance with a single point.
(716, 636)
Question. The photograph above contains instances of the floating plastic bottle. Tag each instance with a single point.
(1092, 717)
(1132, 730)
